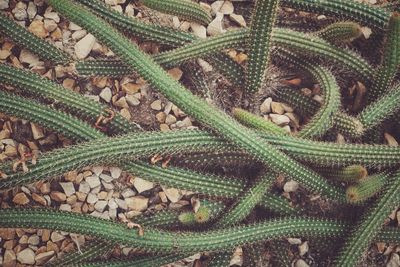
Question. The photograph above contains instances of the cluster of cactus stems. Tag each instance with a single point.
(249, 140)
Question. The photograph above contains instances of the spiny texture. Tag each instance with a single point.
(390, 62)
(156, 240)
(33, 43)
(370, 224)
(191, 104)
(259, 43)
(340, 32)
(185, 9)
(32, 83)
(256, 122)
(349, 174)
(351, 10)
(31, 110)
(322, 121)
(366, 188)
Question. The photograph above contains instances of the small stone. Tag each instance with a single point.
(394, 261)
(4, 4)
(294, 241)
(164, 127)
(65, 207)
(131, 88)
(279, 119)
(303, 248)
(172, 194)
(9, 259)
(58, 196)
(160, 116)
(277, 108)
(26, 256)
(39, 199)
(366, 31)
(112, 204)
(91, 198)
(77, 35)
(142, 185)
(266, 105)
(93, 181)
(128, 193)
(33, 240)
(132, 100)
(126, 114)
(37, 28)
(205, 65)
(216, 6)
(198, 30)
(84, 187)
(121, 103)
(50, 25)
(100, 205)
(55, 237)
(390, 140)
(238, 19)
(137, 203)
(226, 8)
(31, 10)
(21, 199)
(4, 54)
(156, 105)
(115, 172)
(97, 170)
(68, 188)
(84, 46)
(106, 178)
(290, 186)
(37, 132)
(301, 263)
(29, 58)
(20, 11)
(170, 119)
(176, 73)
(44, 257)
(106, 94)
(121, 204)
(215, 26)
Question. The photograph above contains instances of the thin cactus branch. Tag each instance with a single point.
(340, 32)
(366, 188)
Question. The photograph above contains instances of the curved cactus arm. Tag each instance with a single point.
(91, 251)
(390, 63)
(351, 10)
(383, 108)
(192, 105)
(256, 122)
(366, 188)
(33, 43)
(156, 240)
(369, 226)
(348, 174)
(44, 88)
(220, 259)
(322, 121)
(340, 32)
(30, 110)
(184, 9)
(259, 43)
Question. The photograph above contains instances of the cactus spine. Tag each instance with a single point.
(340, 32)
(366, 188)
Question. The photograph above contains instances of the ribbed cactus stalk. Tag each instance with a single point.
(349, 174)
(185, 9)
(322, 121)
(191, 104)
(44, 88)
(102, 67)
(367, 229)
(390, 61)
(259, 42)
(33, 43)
(256, 122)
(366, 188)
(350, 10)
(340, 32)
(220, 259)
(31, 110)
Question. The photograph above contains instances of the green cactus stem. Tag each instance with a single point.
(33, 43)
(31, 110)
(349, 10)
(368, 227)
(259, 42)
(390, 61)
(349, 174)
(340, 32)
(192, 105)
(33, 84)
(366, 188)
(184, 9)
(256, 122)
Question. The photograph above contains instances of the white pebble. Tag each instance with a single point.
(84, 46)
(68, 188)
(93, 181)
(26, 256)
(290, 186)
(115, 172)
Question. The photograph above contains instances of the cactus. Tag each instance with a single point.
(366, 188)
(340, 32)
(184, 9)
(28, 40)
(349, 174)
(368, 227)
(259, 42)
(191, 104)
